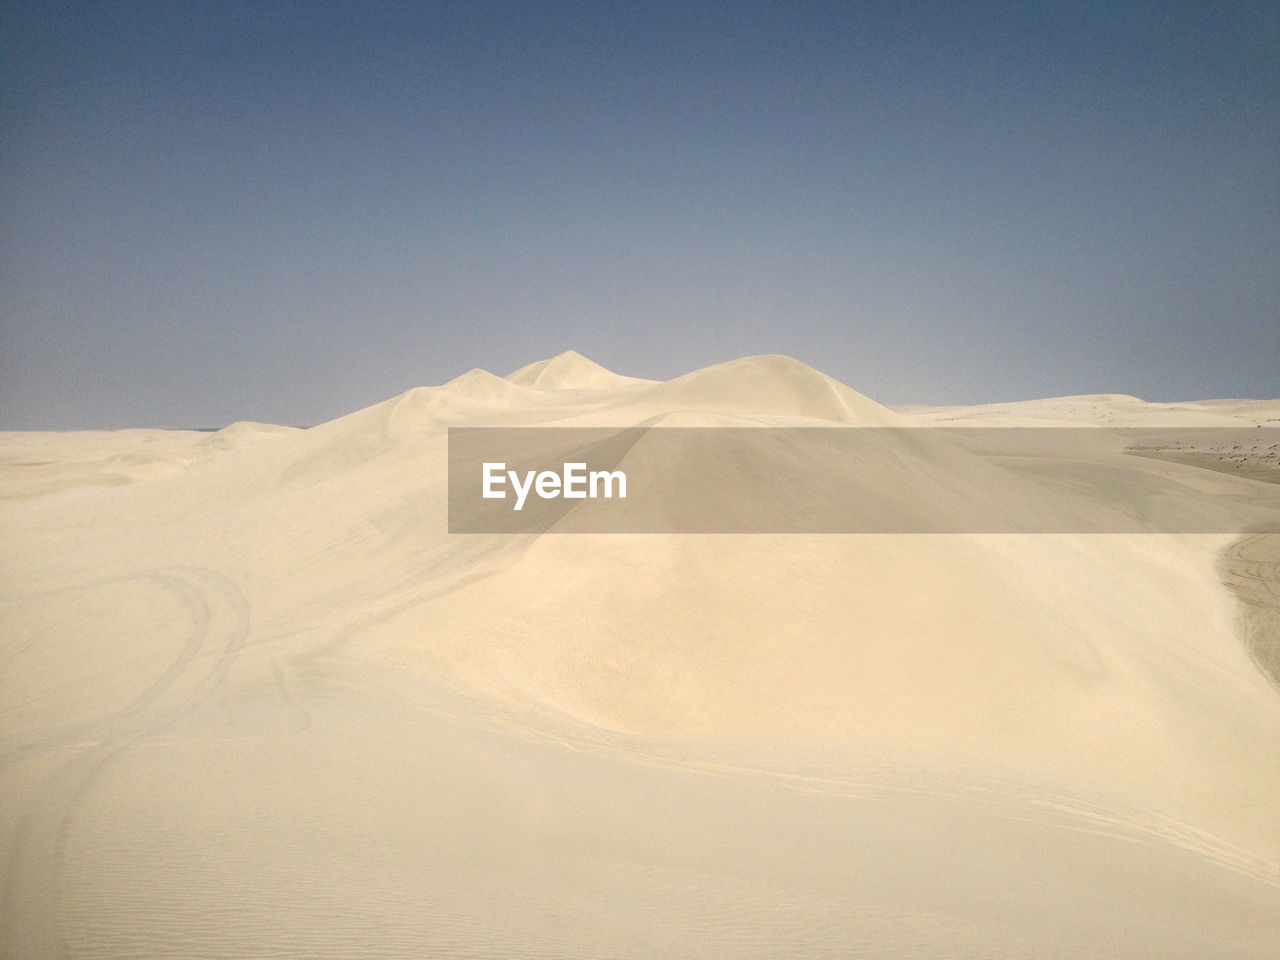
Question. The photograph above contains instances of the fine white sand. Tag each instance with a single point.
(256, 701)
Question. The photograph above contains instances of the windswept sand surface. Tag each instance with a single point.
(256, 701)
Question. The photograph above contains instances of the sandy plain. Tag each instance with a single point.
(256, 701)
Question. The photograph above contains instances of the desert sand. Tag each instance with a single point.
(256, 701)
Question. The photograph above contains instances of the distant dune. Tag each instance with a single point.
(257, 701)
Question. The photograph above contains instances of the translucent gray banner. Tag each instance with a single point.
(863, 480)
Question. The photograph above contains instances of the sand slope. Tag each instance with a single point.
(257, 702)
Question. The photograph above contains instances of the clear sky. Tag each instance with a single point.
(287, 211)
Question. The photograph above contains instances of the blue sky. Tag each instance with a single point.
(286, 211)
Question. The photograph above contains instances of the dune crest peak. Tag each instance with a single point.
(772, 385)
(570, 370)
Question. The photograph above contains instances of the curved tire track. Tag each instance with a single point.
(29, 902)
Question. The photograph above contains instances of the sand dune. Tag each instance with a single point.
(1115, 410)
(256, 701)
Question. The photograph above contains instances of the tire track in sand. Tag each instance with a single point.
(29, 902)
